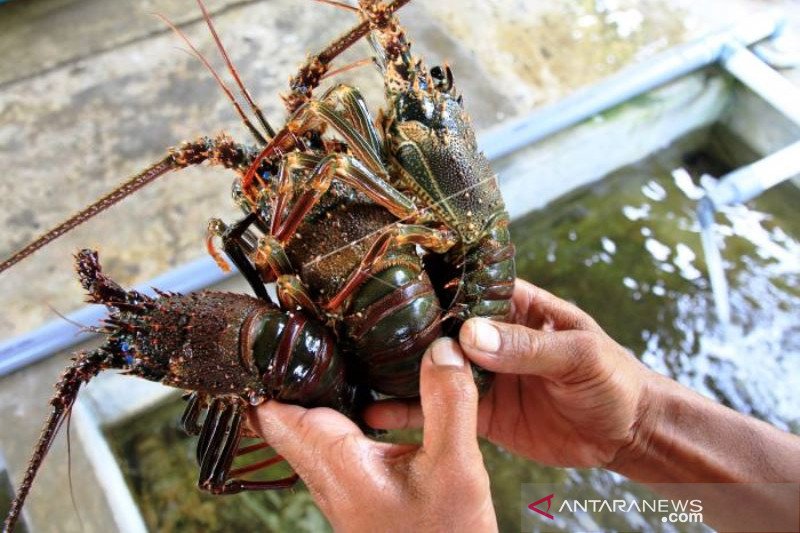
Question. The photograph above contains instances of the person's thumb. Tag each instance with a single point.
(515, 349)
(311, 440)
(449, 401)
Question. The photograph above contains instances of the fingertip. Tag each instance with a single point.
(276, 409)
(481, 342)
(449, 398)
(444, 352)
(481, 334)
(510, 348)
(272, 415)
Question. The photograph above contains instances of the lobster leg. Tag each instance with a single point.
(354, 124)
(316, 111)
(219, 445)
(194, 408)
(439, 241)
(293, 294)
(355, 110)
(294, 162)
(351, 172)
(271, 261)
(270, 257)
(236, 246)
(311, 73)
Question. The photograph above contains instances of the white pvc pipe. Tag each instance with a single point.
(716, 271)
(108, 474)
(766, 82)
(746, 183)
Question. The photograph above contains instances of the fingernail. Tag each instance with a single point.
(485, 336)
(445, 352)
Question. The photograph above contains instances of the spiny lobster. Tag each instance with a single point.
(338, 221)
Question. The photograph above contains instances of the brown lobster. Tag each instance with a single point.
(338, 222)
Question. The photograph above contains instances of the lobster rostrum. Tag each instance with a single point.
(337, 210)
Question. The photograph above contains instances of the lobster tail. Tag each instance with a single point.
(392, 320)
(85, 367)
(488, 283)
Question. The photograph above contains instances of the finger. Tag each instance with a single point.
(449, 401)
(515, 349)
(534, 307)
(310, 439)
(394, 414)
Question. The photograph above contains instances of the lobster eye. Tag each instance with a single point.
(442, 78)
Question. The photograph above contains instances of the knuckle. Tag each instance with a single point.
(586, 351)
(521, 343)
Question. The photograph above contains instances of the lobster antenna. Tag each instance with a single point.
(257, 134)
(126, 189)
(82, 328)
(340, 5)
(85, 367)
(69, 470)
(234, 72)
(350, 66)
(348, 39)
(304, 81)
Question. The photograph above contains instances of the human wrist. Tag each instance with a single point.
(649, 419)
(679, 436)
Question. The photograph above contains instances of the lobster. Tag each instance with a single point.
(424, 168)
(342, 222)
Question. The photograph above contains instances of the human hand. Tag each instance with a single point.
(364, 485)
(565, 394)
